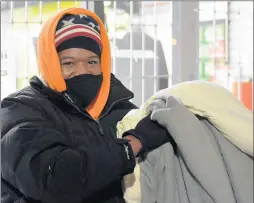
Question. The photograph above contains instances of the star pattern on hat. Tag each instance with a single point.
(83, 19)
(67, 22)
(85, 31)
(82, 16)
(91, 24)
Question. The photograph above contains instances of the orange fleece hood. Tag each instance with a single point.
(49, 65)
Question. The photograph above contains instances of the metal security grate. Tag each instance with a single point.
(142, 44)
(21, 22)
(138, 56)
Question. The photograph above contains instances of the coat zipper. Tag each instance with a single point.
(68, 99)
(126, 98)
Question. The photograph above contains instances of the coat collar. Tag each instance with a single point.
(118, 92)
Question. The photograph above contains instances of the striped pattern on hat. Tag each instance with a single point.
(76, 26)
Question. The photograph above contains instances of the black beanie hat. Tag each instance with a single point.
(78, 31)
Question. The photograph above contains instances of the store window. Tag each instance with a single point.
(226, 46)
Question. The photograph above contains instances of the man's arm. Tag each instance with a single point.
(135, 144)
(45, 165)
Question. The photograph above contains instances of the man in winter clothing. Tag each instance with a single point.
(59, 140)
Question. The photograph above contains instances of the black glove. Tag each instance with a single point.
(151, 134)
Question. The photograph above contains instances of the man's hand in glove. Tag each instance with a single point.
(150, 134)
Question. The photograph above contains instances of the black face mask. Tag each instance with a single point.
(84, 88)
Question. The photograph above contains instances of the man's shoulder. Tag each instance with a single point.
(126, 105)
(122, 108)
(26, 105)
(27, 96)
(25, 93)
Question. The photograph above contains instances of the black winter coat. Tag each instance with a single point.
(53, 152)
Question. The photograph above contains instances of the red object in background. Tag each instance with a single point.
(217, 49)
(246, 93)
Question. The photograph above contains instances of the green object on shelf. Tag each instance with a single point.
(208, 48)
